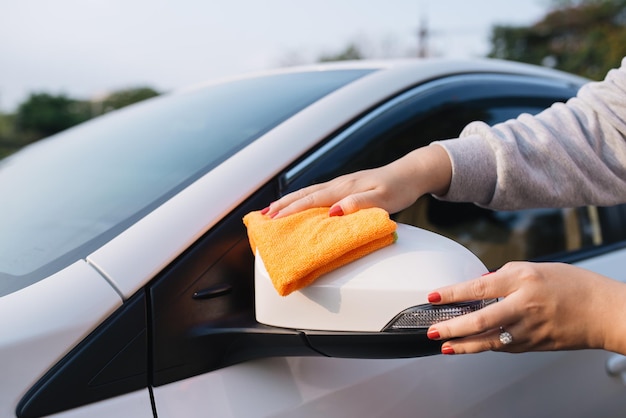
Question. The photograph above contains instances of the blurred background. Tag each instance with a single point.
(63, 62)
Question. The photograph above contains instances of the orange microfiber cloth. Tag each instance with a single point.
(299, 248)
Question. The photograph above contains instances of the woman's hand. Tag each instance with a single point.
(546, 306)
(392, 187)
(380, 187)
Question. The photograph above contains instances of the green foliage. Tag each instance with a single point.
(122, 98)
(585, 37)
(6, 134)
(352, 52)
(43, 114)
(6, 125)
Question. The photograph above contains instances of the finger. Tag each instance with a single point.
(324, 198)
(491, 340)
(292, 197)
(342, 195)
(311, 197)
(494, 316)
(489, 286)
(358, 201)
(486, 341)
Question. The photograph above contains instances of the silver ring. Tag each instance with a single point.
(505, 337)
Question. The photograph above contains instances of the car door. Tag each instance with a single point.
(210, 358)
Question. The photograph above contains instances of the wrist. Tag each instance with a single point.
(430, 170)
(614, 322)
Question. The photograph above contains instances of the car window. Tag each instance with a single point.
(65, 196)
(438, 112)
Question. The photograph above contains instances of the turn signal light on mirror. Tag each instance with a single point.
(423, 316)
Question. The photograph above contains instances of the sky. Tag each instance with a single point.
(86, 48)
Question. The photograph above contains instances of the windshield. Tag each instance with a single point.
(65, 196)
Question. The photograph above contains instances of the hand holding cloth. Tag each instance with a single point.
(299, 248)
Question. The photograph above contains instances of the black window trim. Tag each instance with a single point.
(424, 88)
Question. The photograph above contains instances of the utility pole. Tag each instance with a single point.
(423, 35)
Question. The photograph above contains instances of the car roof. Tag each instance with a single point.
(420, 69)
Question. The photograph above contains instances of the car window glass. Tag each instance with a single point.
(65, 196)
(495, 236)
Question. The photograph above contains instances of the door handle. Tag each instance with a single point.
(616, 366)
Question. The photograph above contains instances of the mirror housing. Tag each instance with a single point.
(365, 295)
(374, 307)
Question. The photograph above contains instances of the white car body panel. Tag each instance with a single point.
(609, 264)
(132, 405)
(482, 385)
(41, 323)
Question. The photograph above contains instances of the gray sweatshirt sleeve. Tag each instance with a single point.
(569, 155)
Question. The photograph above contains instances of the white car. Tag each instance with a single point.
(127, 281)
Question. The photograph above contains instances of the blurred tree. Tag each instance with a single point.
(43, 114)
(351, 52)
(6, 125)
(7, 146)
(121, 98)
(585, 37)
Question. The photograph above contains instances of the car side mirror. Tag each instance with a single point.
(375, 307)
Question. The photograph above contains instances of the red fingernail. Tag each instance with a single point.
(335, 211)
(488, 273)
(446, 349)
(434, 297)
(433, 334)
(264, 211)
(273, 215)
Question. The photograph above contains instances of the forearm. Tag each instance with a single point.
(571, 154)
